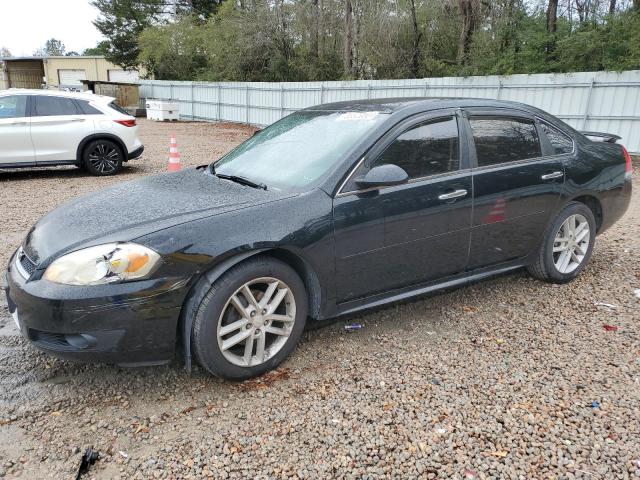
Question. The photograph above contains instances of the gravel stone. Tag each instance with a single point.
(494, 380)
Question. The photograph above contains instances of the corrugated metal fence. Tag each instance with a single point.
(599, 101)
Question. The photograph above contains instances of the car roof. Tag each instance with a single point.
(58, 93)
(392, 105)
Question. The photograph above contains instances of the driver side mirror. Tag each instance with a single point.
(383, 176)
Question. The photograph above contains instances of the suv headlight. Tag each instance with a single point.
(107, 263)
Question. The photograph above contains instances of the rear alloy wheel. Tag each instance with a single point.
(567, 245)
(102, 157)
(250, 319)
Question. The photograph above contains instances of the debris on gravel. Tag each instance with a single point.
(510, 378)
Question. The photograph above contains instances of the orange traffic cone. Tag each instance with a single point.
(174, 156)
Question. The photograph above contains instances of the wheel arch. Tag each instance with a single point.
(592, 202)
(101, 136)
(296, 262)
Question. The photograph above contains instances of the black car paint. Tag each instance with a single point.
(348, 255)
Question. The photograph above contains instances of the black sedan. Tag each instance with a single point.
(331, 210)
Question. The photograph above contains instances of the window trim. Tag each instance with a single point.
(506, 114)
(393, 133)
(542, 121)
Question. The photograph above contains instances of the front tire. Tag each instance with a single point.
(567, 245)
(102, 158)
(250, 319)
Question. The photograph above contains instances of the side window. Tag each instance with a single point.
(88, 109)
(560, 142)
(46, 105)
(503, 140)
(427, 149)
(14, 106)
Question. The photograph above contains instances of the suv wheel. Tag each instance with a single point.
(567, 245)
(102, 157)
(250, 319)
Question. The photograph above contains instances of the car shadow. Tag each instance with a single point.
(59, 172)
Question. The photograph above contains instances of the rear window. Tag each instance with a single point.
(504, 140)
(46, 106)
(87, 109)
(560, 142)
(118, 108)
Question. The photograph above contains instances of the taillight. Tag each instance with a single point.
(627, 162)
(126, 123)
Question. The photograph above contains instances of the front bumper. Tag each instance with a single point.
(126, 323)
(136, 153)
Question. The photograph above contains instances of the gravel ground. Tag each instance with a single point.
(510, 378)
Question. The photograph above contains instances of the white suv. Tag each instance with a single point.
(45, 127)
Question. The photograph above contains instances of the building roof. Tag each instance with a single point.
(23, 59)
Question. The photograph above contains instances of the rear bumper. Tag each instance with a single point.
(128, 323)
(136, 153)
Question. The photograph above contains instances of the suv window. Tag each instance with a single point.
(426, 149)
(88, 109)
(46, 105)
(13, 106)
(503, 140)
(560, 142)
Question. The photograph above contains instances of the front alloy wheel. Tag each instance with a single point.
(249, 319)
(256, 321)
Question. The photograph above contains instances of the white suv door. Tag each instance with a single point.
(57, 128)
(15, 137)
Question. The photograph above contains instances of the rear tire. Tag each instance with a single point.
(567, 245)
(238, 337)
(102, 158)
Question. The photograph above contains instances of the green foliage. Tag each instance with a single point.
(52, 48)
(298, 40)
(121, 22)
(100, 49)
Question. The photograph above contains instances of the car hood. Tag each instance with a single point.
(131, 209)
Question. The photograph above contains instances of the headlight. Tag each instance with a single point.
(103, 264)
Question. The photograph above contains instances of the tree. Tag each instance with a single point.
(467, 28)
(122, 21)
(4, 52)
(100, 50)
(348, 63)
(52, 48)
(415, 48)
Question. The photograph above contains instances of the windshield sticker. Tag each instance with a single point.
(357, 116)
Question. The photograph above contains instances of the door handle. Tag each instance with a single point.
(78, 119)
(18, 123)
(552, 175)
(452, 195)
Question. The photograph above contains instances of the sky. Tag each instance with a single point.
(25, 25)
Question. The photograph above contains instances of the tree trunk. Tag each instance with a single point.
(415, 53)
(636, 5)
(314, 47)
(552, 16)
(467, 27)
(347, 58)
(612, 6)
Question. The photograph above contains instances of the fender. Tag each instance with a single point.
(210, 276)
(101, 136)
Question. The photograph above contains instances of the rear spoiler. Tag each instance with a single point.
(602, 137)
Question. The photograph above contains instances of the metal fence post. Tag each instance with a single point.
(246, 101)
(321, 93)
(588, 104)
(426, 89)
(499, 89)
(369, 91)
(193, 113)
(281, 100)
(219, 102)
(171, 91)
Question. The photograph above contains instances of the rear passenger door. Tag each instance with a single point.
(516, 182)
(57, 128)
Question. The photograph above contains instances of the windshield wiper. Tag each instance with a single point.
(241, 180)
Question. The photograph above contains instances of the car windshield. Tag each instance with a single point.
(297, 150)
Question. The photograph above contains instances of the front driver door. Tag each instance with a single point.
(403, 235)
(15, 136)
